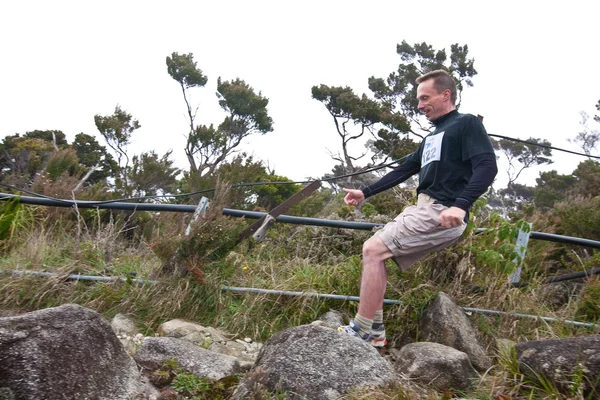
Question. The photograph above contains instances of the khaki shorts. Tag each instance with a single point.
(417, 232)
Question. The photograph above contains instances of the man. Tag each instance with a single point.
(456, 165)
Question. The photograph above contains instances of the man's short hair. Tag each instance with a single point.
(442, 80)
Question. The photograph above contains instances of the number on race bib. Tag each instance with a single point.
(432, 150)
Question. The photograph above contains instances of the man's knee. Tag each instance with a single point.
(374, 249)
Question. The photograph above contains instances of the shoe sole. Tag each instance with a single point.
(378, 342)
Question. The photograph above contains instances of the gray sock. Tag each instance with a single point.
(378, 318)
(363, 323)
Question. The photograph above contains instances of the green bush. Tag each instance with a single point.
(580, 217)
(589, 304)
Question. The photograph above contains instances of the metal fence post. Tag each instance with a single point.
(521, 247)
(201, 209)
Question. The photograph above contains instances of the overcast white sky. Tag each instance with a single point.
(62, 62)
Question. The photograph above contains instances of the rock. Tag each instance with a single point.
(198, 338)
(66, 352)
(446, 323)
(224, 349)
(154, 352)
(561, 360)
(128, 344)
(237, 346)
(248, 347)
(178, 328)
(216, 335)
(123, 325)
(315, 363)
(435, 365)
(331, 319)
(246, 360)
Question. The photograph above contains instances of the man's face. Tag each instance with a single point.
(432, 103)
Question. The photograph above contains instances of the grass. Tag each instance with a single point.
(294, 258)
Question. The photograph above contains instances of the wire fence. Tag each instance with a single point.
(291, 220)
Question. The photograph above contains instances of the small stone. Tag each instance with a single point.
(236, 345)
(247, 340)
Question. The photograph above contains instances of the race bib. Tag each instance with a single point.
(432, 150)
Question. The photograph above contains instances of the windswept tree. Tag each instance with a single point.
(116, 129)
(391, 115)
(521, 155)
(552, 187)
(57, 138)
(588, 178)
(207, 146)
(246, 114)
(588, 137)
(150, 174)
(398, 93)
(353, 116)
(99, 163)
(185, 71)
(23, 158)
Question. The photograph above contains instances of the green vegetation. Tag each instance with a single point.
(190, 386)
(190, 270)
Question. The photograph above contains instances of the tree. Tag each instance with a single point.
(521, 155)
(588, 178)
(389, 117)
(99, 162)
(184, 70)
(57, 138)
(552, 187)
(588, 137)
(150, 175)
(244, 169)
(116, 129)
(22, 158)
(269, 196)
(207, 146)
(348, 111)
(246, 115)
(398, 92)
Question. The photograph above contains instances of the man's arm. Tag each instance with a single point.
(484, 171)
(393, 178)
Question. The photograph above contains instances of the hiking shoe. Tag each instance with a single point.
(353, 330)
(377, 334)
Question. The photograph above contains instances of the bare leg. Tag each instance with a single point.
(374, 277)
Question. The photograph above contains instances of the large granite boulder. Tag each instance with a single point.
(66, 352)
(314, 362)
(436, 365)
(563, 361)
(446, 323)
(156, 351)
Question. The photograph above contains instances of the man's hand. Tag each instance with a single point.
(452, 217)
(354, 197)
